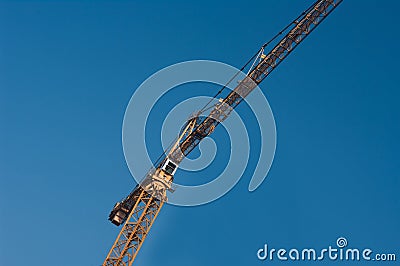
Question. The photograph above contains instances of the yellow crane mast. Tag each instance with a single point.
(141, 207)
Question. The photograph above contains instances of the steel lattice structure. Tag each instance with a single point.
(140, 208)
(135, 230)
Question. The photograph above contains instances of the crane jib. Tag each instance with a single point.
(141, 207)
(301, 29)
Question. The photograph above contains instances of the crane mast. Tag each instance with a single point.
(140, 208)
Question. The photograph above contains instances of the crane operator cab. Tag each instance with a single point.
(169, 167)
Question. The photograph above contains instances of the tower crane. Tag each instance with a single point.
(140, 208)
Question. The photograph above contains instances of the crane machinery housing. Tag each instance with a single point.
(141, 207)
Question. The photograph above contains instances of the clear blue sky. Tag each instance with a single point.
(69, 68)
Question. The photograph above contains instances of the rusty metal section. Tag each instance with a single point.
(300, 30)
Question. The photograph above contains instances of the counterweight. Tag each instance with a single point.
(140, 208)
